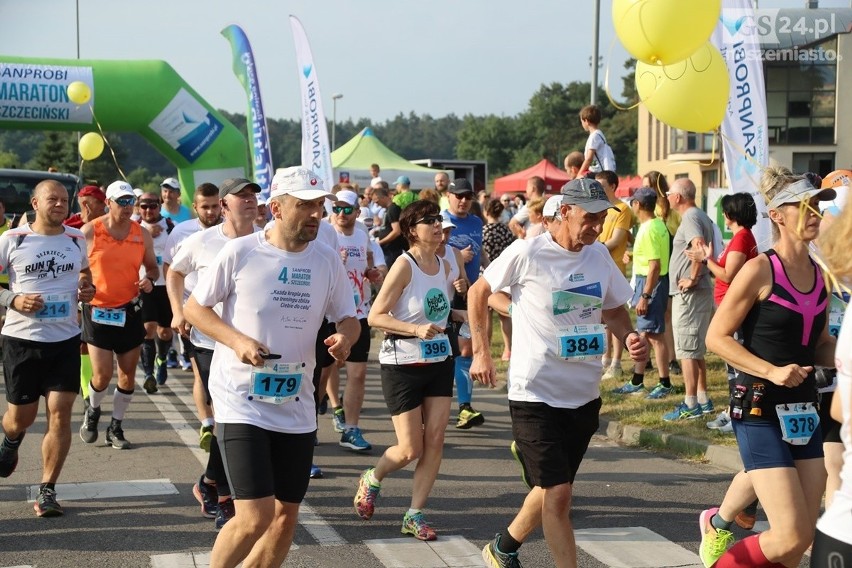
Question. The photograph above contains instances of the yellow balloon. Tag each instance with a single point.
(91, 145)
(691, 94)
(79, 92)
(662, 32)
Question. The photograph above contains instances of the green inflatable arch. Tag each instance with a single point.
(147, 97)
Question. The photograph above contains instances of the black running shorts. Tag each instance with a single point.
(114, 338)
(203, 358)
(553, 440)
(156, 307)
(406, 386)
(31, 369)
(361, 350)
(261, 463)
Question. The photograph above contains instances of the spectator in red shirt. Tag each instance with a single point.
(92, 202)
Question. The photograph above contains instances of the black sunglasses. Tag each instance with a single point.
(430, 220)
(463, 196)
(346, 210)
(149, 206)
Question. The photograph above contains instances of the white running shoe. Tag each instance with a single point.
(722, 422)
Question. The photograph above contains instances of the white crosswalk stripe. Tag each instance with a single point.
(109, 489)
(618, 547)
(634, 547)
(453, 551)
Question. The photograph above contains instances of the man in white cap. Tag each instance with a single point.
(563, 288)
(362, 272)
(274, 287)
(113, 325)
(238, 199)
(172, 207)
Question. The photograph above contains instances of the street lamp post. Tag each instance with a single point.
(334, 98)
(595, 56)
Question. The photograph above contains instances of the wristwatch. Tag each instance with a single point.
(646, 295)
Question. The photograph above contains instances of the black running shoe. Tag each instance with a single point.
(46, 505)
(150, 384)
(89, 429)
(207, 497)
(115, 436)
(8, 458)
(225, 514)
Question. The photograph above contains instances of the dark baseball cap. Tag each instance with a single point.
(646, 196)
(236, 185)
(586, 193)
(460, 185)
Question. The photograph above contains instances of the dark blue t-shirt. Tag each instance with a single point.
(468, 231)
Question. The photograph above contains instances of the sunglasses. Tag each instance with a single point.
(430, 220)
(463, 196)
(149, 206)
(125, 201)
(346, 210)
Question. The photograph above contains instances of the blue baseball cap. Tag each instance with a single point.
(402, 180)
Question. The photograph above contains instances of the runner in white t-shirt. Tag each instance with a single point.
(48, 274)
(833, 540)
(274, 287)
(196, 254)
(362, 272)
(156, 311)
(208, 211)
(564, 287)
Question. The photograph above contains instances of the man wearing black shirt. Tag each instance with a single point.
(390, 236)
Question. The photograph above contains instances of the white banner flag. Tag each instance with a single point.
(744, 135)
(316, 152)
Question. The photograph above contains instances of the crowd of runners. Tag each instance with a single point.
(275, 301)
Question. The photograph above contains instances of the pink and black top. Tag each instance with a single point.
(784, 329)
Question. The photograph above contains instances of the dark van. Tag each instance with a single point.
(16, 187)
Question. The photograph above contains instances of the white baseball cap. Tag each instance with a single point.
(551, 206)
(299, 182)
(172, 183)
(347, 196)
(118, 189)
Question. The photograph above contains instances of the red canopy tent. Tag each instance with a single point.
(628, 185)
(553, 177)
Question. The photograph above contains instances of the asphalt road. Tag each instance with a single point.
(632, 508)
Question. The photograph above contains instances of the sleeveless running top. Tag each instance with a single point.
(424, 300)
(115, 265)
(783, 329)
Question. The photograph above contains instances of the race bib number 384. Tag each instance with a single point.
(580, 342)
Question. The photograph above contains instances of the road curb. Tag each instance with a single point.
(721, 456)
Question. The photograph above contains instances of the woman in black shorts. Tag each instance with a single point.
(416, 365)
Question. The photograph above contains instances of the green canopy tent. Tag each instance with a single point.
(351, 163)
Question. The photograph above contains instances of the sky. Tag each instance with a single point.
(385, 57)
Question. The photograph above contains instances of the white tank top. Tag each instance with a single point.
(424, 300)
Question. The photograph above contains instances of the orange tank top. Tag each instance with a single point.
(115, 265)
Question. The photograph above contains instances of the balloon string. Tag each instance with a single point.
(606, 82)
(106, 141)
(713, 156)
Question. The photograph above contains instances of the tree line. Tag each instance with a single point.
(548, 128)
